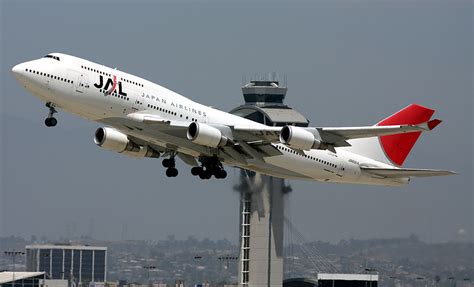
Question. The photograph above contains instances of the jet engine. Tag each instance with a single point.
(205, 135)
(112, 139)
(299, 138)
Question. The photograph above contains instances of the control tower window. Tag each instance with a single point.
(268, 98)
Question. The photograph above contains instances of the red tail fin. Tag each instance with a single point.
(397, 147)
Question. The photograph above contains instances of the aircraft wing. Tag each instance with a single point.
(146, 128)
(348, 133)
(149, 119)
(405, 172)
(336, 137)
(265, 135)
(252, 143)
(262, 135)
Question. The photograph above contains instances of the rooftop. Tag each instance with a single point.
(65, 246)
(7, 276)
(348, 277)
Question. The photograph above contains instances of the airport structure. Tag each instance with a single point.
(346, 280)
(29, 279)
(261, 204)
(262, 207)
(334, 280)
(78, 263)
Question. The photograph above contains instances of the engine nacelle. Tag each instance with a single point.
(299, 138)
(205, 135)
(112, 139)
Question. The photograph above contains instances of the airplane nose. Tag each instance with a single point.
(19, 71)
(16, 69)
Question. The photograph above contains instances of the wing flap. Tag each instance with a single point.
(405, 172)
(265, 134)
(269, 150)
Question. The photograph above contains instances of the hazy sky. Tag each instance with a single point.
(347, 63)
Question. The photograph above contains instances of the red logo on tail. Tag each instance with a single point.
(397, 147)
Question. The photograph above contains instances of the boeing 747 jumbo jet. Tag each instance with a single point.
(143, 119)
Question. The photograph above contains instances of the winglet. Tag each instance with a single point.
(433, 123)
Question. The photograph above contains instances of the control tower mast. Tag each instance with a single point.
(261, 197)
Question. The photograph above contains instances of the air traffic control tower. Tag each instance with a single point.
(262, 197)
(264, 104)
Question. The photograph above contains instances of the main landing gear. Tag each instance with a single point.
(170, 164)
(210, 166)
(51, 121)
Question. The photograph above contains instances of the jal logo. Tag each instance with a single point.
(110, 85)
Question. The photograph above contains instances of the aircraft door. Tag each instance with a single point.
(340, 169)
(135, 98)
(81, 81)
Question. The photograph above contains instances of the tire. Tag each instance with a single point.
(53, 122)
(197, 170)
(166, 163)
(169, 172)
(222, 174)
(206, 174)
(174, 172)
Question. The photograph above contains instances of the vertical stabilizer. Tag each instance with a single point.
(393, 149)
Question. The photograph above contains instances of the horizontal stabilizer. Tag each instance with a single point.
(405, 172)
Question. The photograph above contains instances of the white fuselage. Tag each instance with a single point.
(81, 87)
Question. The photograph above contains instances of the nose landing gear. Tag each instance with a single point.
(51, 121)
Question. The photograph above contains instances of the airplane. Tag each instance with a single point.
(143, 119)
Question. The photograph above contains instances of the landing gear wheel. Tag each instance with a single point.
(196, 170)
(170, 165)
(206, 174)
(50, 122)
(166, 162)
(220, 174)
(172, 172)
(211, 166)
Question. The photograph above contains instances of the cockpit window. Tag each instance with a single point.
(53, 57)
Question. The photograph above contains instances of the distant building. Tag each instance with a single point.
(347, 280)
(28, 279)
(77, 262)
(300, 282)
(334, 280)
